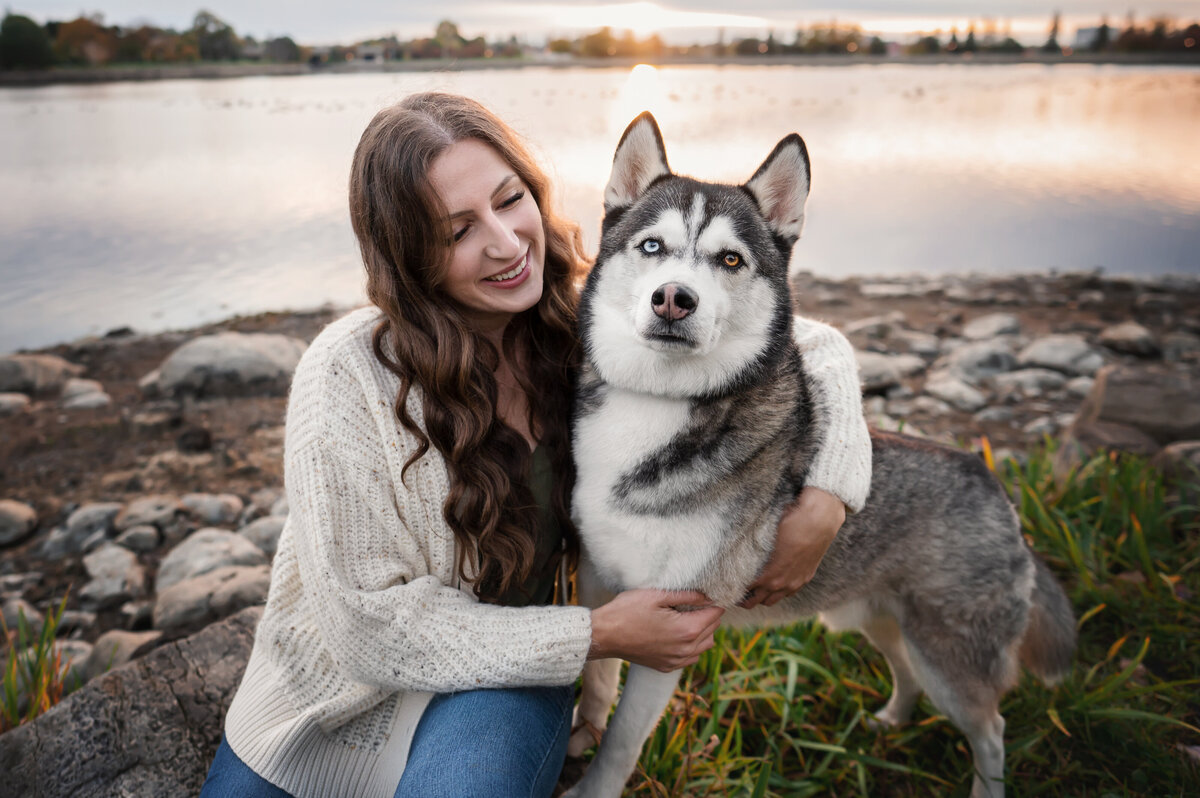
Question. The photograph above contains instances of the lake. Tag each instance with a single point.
(169, 204)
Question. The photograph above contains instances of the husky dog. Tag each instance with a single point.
(694, 428)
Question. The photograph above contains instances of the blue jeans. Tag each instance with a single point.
(475, 744)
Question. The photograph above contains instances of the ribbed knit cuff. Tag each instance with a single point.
(842, 465)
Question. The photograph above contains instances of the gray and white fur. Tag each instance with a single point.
(693, 429)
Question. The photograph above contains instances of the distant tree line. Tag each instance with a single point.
(87, 41)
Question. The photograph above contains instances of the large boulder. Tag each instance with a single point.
(948, 387)
(1160, 402)
(264, 532)
(13, 403)
(230, 363)
(156, 511)
(35, 374)
(206, 550)
(877, 372)
(150, 728)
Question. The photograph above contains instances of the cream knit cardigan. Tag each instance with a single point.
(365, 619)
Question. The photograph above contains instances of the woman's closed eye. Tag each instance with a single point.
(510, 201)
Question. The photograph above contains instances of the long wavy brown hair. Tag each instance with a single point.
(404, 232)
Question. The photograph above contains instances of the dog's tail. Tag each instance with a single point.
(1049, 641)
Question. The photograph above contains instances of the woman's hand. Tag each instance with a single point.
(805, 531)
(661, 630)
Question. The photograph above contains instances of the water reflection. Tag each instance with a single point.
(168, 204)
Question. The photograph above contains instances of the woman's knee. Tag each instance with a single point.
(490, 742)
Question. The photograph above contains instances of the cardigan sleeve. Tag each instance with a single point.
(843, 462)
(386, 620)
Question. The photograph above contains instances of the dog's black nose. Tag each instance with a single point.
(672, 301)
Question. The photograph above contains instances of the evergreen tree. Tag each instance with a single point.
(1051, 45)
(23, 44)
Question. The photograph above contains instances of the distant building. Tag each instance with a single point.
(370, 53)
(1085, 38)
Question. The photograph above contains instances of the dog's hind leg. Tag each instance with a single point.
(884, 634)
(646, 694)
(972, 705)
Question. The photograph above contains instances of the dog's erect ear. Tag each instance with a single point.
(640, 160)
(780, 186)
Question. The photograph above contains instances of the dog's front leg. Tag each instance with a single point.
(600, 677)
(646, 694)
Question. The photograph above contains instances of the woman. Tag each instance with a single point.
(410, 644)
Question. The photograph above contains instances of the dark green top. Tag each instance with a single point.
(539, 587)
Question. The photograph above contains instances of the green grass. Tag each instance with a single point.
(780, 712)
(35, 676)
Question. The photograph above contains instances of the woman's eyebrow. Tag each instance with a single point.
(498, 189)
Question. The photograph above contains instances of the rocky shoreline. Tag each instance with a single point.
(141, 475)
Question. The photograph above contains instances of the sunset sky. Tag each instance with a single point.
(533, 21)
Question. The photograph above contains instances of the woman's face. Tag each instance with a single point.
(498, 249)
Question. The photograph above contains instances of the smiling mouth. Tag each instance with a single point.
(512, 271)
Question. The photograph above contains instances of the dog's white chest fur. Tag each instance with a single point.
(630, 549)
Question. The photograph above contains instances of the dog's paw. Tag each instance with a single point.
(583, 736)
(883, 720)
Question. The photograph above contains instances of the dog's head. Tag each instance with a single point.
(689, 295)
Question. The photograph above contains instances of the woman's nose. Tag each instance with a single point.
(503, 243)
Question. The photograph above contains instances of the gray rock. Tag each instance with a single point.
(213, 509)
(992, 325)
(12, 610)
(1130, 338)
(80, 387)
(230, 363)
(150, 728)
(81, 525)
(116, 647)
(116, 576)
(88, 401)
(1043, 425)
(875, 326)
(949, 388)
(909, 365)
(1028, 382)
(1069, 354)
(13, 403)
(148, 384)
(877, 372)
(17, 521)
(206, 550)
(94, 541)
(976, 361)
(35, 374)
(890, 290)
(1156, 301)
(75, 621)
(1160, 402)
(18, 583)
(874, 406)
(931, 406)
(201, 600)
(1180, 463)
(1080, 386)
(140, 538)
(1180, 346)
(917, 343)
(137, 614)
(280, 507)
(996, 414)
(264, 532)
(157, 511)
(75, 655)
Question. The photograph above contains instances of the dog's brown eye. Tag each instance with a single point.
(732, 260)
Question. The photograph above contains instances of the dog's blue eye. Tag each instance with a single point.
(651, 246)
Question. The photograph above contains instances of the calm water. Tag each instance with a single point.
(168, 204)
